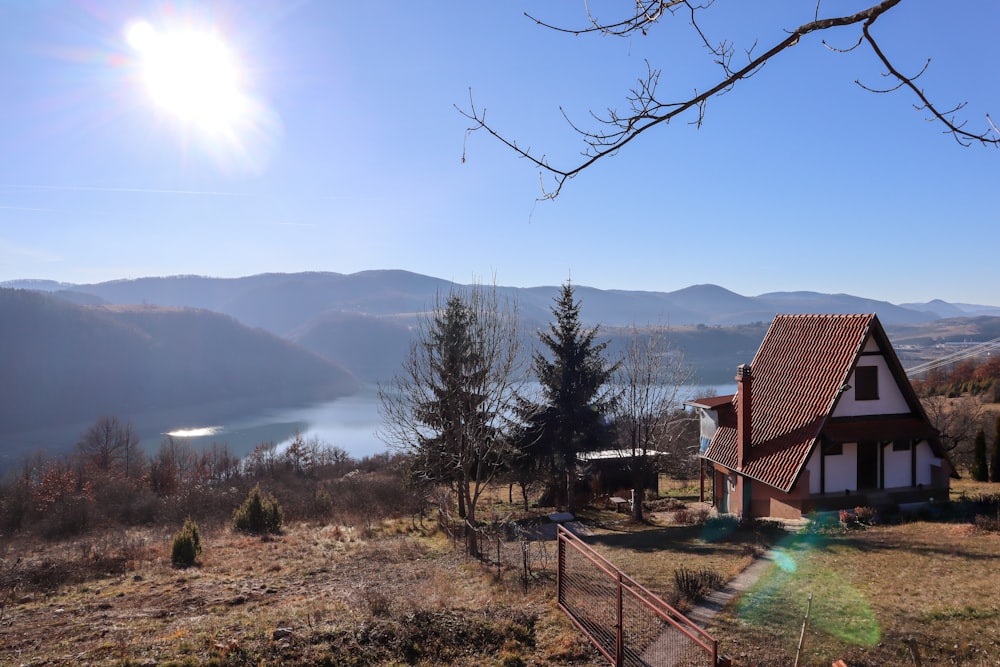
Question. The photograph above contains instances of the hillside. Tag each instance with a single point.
(282, 303)
(64, 363)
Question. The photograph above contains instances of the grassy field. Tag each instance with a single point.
(877, 594)
(315, 595)
(403, 593)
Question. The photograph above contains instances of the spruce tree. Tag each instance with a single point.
(452, 404)
(570, 418)
(995, 454)
(980, 473)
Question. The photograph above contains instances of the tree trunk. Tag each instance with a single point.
(638, 488)
(472, 537)
(570, 486)
(637, 493)
(461, 502)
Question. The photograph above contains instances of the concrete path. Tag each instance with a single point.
(664, 651)
(716, 601)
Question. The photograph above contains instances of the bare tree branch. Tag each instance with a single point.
(647, 110)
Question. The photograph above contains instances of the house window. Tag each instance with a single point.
(866, 383)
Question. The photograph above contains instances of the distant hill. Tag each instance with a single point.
(372, 347)
(362, 320)
(282, 303)
(63, 363)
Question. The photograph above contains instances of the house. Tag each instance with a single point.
(823, 418)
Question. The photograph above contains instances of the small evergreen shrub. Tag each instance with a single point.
(259, 513)
(187, 545)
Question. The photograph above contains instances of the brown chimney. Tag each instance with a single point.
(743, 414)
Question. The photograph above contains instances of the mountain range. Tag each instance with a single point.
(72, 352)
(282, 303)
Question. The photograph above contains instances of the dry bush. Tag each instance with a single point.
(692, 516)
(691, 585)
(985, 524)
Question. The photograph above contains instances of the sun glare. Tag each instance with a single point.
(190, 74)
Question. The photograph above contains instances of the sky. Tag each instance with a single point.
(332, 141)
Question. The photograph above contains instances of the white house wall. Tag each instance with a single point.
(925, 459)
(841, 470)
(897, 467)
(890, 399)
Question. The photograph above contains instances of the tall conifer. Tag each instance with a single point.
(980, 472)
(575, 396)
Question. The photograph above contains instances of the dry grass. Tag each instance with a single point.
(874, 590)
(395, 592)
(316, 594)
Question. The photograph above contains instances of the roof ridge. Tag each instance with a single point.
(824, 315)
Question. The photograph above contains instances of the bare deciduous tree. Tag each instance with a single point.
(451, 405)
(110, 446)
(649, 417)
(957, 420)
(647, 108)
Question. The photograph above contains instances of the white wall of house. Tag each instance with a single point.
(897, 467)
(841, 470)
(890, 398)
(925, 459)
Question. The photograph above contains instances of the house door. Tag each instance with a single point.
(867, 465)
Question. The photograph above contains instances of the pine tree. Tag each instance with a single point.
(574, 384)
(995, 454)
(452, 403)
(980, 473)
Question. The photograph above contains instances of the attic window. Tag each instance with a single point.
(866, 383)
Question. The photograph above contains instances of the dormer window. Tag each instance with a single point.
(866, 383)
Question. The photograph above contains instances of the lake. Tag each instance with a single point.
(349, 423)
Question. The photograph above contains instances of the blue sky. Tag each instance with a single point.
(351, 156)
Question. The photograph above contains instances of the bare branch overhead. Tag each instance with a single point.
(646, 108)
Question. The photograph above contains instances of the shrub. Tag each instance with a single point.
(689, 516)
(848, 519)
(187, 545)
(985, 524)
(259, 513)
(692, 585)
(866, 515)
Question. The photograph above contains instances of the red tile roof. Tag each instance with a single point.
(798, 371)
(712, 402)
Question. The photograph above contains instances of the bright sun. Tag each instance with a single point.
(190, 74)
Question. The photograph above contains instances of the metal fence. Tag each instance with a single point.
(627, 623)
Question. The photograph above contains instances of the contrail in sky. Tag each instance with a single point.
(159, 191)
(85, 188)
(27, 208)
